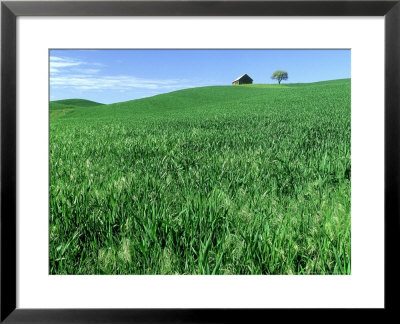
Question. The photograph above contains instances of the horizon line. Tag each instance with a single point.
(218, 85)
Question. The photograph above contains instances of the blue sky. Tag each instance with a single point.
(109, 76)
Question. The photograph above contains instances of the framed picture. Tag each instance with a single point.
(198, 161)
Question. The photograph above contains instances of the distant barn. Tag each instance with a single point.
(244, 79)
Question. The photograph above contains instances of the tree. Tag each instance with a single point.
(279, 76)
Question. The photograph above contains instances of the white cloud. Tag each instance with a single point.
(64, 65)
(68, 73)
(121, 82)
(58, 59)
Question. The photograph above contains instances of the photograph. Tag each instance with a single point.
(199, 161)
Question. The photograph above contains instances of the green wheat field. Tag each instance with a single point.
(250, 179)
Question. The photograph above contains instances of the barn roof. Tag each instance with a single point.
(242, 77)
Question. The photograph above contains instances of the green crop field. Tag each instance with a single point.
(251, 179)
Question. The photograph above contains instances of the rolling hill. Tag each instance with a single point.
(200, 99)
(73, 103)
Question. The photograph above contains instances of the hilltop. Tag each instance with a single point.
(198, 100)
(74, 103)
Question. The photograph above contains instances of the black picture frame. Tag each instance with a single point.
(10, 10)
